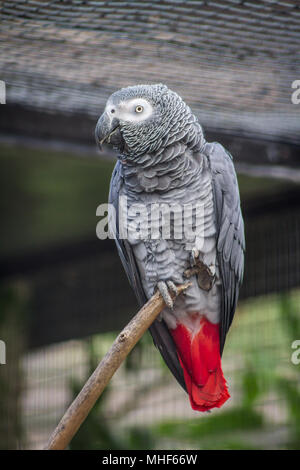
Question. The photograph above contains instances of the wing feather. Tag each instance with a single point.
(230, 232)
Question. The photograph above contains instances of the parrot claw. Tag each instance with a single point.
(172, 287)
(165, 288)
(194, 254)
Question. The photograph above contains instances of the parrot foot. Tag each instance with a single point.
(204, 273)
(165, 287)
(194, 255)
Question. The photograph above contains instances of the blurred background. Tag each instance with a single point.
(63, 292)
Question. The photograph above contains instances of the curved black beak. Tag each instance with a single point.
(105, 128)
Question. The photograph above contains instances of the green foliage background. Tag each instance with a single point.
(267, 375)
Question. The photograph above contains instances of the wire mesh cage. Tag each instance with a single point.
(63, 293)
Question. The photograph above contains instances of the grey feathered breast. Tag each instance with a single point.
(159, 330)
(230, 250)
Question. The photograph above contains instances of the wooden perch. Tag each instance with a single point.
(121, 347)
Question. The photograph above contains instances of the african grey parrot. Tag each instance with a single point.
(164, 159)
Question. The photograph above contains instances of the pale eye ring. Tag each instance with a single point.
(139, 109)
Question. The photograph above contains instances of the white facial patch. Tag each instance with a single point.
(133, 110)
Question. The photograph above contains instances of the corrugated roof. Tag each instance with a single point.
(233, 61)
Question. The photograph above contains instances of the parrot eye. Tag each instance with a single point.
(139, 109)
(112, 110)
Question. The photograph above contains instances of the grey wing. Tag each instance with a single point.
(124, 249)
(230, 232)
(159, 331)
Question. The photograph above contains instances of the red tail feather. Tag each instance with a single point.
(199, 355)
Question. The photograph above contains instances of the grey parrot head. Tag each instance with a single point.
(142, 119)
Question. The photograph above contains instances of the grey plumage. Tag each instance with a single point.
(230, 229)
(159, 331)
(165, 159)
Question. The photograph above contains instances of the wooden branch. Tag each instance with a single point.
(121, 347)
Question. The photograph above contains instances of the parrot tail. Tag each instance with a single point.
(199, 356)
